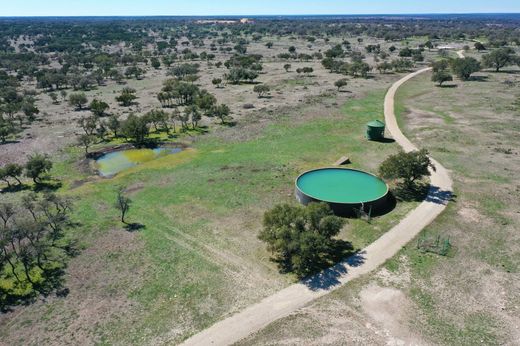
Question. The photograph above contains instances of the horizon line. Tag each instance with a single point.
(257, 15)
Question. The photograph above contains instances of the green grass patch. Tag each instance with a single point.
(185, 200)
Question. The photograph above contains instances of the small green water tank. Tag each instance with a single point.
(375, 130)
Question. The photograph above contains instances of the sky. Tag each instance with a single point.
(248, 7)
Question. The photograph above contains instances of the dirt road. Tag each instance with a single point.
(294, 297)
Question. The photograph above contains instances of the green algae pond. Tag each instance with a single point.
(112, 163)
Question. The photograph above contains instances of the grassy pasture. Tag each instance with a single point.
(198, 258)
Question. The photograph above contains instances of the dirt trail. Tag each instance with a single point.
(294, 297)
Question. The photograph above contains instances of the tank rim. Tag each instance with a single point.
(336, 202)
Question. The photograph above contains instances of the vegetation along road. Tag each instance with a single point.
(296, 296)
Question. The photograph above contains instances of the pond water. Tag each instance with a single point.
(113, 163)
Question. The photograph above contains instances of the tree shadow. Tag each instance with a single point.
(439, 196)
(411, 193)
(384, 140)
(47, 186)
(448, 86)
(329, 278)
(14, 188)
(134, 227)
(479, 78)
(325, 264)
(231, 123)
(10, 141)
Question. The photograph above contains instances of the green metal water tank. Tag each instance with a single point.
(375, 130)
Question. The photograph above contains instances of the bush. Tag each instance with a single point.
(262, 90)
(341, 83)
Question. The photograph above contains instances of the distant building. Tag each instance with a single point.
(215, 21)
(246, 21)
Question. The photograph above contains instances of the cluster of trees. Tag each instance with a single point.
(196, 101)
(354, 69)
(16, 109)
(36, 168)
(33, 246)
(415, 54)
(397, 65)
(243, 68)
(301, 239)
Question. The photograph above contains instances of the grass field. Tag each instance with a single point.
(470, 296)
(198, 258)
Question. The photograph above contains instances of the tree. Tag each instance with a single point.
(205, 101)
(192, 112)
(499, 58)
(479, 46)
(464, 67)
(78, 100)
(11, 170)
(127, 97)
(123, 204)
(301, 238)
(222, 112)
(261, 89)
(269, 45)
(158, 117)
(340, 83)
(86, 141)
(441, 77)
(134, 71)
(308, 70)
(156, 64)
(217, 82)
(238, 74)
(136, 129)
(408, 167)
(440, 65)
(384, 67)
(88, 124)
(7, 129)
(98, 107)
(54, 97)
(287, 67)
(114, 124)
(36, 166)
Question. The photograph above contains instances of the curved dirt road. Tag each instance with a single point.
(288, 300)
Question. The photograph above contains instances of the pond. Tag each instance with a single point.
(117, 161)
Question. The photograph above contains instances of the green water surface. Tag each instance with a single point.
(113, 163)
(339, 185)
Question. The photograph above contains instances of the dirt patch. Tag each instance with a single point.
(98, 289)
(389, 310)
(469, 214)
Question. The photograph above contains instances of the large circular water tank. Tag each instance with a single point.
(343, 189)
